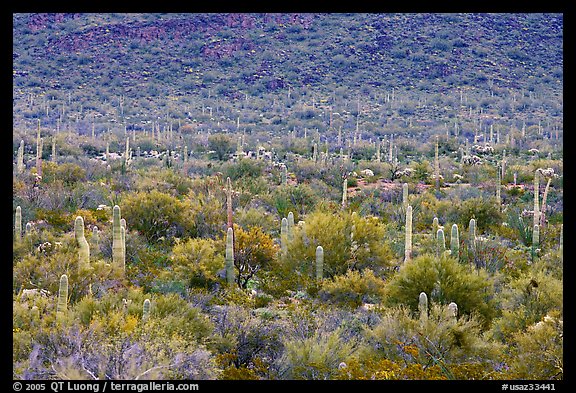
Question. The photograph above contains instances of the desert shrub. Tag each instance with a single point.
(526, 300)
(444, 280)
(314, 358)
(352, 289)
(195, 262)
(435, 339)
(537, 352)
(155, 214)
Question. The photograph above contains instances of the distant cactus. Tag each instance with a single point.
(28, 230)
(117, 244)
(435, 225)
(423, 306)
(230, 257)
(18, 224)
(84, 248)
(146, 310)
(315, 152)
(408, 237)
(62, 305)
(319, 262)
(20, 158)
(454, 241)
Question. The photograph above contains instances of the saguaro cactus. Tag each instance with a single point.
(84, 248)
(423, 306)
(229, 202)
(230, 257)
(472, 240)
(561, 241)
(535, 242)
(319, 262)
(62, 305)
(284, 175)
(290, 227)
(53, 158)
(284, 236)
(39, 155)
(20, 158)
(435, 225)
(408, 235)
(454, 241)
(405, 195)
(536, 197)
(440, 242)
(18, 224)
(436, 166)
(117, 244)
(345, 192)
(544, 205)
(453, 310)
(95, 239)
(146, 310)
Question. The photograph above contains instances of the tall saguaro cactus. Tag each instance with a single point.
(536, 197)
(229, 202)
(84, 248)
(284, 236)
(440, 242)
(472, 240)
(18, 224)
(290, 227)
(118, 259)
(436, 165)
(230, 257)
(535, 242)
(62, 305)
(408, 235)
(345, 193)
(319, 262)
(454, 241)
(498, 187)
(20, 158)
(39, 155)
(544, 207)
(405, 195)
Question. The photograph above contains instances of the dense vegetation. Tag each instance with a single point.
(282, 196)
